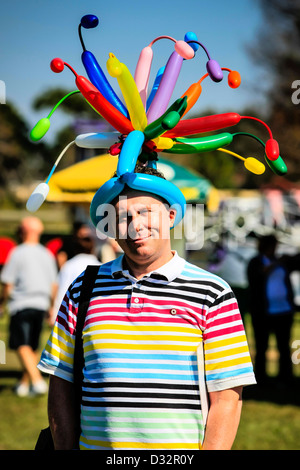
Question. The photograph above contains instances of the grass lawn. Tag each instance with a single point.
(270, 417)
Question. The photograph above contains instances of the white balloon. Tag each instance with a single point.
(37, 197)
(97, 140)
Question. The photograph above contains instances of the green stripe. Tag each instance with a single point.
(136, 436)
(135, 424)
(139, 414)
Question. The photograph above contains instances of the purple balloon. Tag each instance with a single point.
(214, 70)
(164, 92)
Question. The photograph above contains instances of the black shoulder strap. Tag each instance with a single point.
(86, 290)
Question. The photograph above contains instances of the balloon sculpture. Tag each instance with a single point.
(148, 124)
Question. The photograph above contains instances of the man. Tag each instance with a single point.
(148, 313)
(28, 279)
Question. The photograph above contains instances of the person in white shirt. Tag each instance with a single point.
(28, 280)
(84, 246)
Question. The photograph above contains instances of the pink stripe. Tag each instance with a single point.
(223, 321)
(121, 304)
(137, 319)
(222, 332)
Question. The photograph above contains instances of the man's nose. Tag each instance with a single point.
(135, 225)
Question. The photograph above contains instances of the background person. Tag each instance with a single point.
(83, 254)
(28, 279)
(271, 301)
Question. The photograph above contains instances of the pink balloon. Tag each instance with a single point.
(142, 72)
(184, 49)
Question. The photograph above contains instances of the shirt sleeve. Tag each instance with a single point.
(227, 358)
(10, 269)
(58, 356)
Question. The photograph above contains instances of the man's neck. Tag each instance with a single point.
(139, 270)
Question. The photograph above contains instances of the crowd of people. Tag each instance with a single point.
(36, 282)
(33, 288)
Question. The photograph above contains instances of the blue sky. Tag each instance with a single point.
(34, 32)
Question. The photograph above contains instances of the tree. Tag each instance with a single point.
(277, 49)
(75, 104)
(20, 159)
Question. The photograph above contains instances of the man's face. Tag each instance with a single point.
(143, 226)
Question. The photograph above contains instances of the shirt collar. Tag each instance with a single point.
(169, 271)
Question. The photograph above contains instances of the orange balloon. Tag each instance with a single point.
(192, 94)
(234, 79)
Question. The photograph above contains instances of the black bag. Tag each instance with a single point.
(45, 441)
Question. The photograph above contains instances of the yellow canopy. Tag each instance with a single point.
(79, 182)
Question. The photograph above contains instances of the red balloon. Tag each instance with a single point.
(104, 107)
(272, 149)
(204, 124)
(115, 149)
(96, 99)
(57, 65)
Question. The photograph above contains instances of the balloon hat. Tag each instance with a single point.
(147, 124)
(125, 175)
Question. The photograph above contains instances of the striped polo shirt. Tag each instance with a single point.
(140, 339)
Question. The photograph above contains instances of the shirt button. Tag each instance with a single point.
(173, 311)
(136, 300)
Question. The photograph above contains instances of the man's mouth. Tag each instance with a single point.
(139, 239)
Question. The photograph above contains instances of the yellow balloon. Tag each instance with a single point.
(129, 91)
(251, 164)
(163, 143)
(255, 166)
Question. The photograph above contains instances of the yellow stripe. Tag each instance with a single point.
(142, 347)
(62, 334)
(220, 354)
(141, 445)
(227, 363)
(62, 345)
(60, 355)
(225, 342)
(146, 337)
(112, 326)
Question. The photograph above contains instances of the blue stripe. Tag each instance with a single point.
(152, 357)
(232, 374)
(142, 375)
(46, 359)
(143, 366)
(199, 273)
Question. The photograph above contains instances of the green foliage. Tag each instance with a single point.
(276, 49)
(20, 159)
(74, 105)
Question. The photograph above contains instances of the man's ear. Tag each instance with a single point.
(172, 215)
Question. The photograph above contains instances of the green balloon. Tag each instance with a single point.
(277, 166)
(200, 144)
(166, 121)
(40, 129)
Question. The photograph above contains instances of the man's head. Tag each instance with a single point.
(142, 225)
(83, 238)
(143, 180)
(267, 245)
(30, 230)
